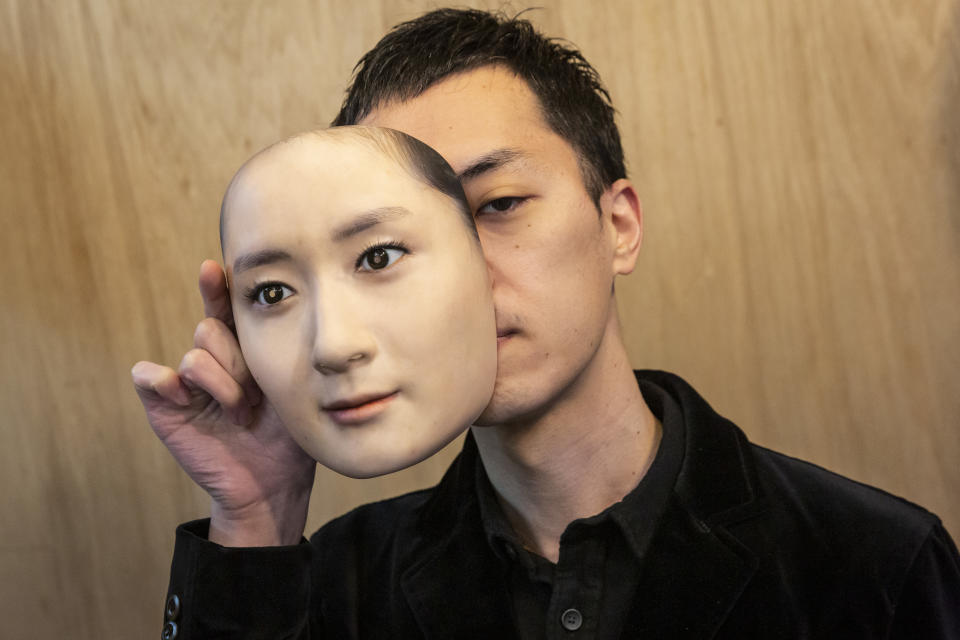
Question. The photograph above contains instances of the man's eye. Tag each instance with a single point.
(500, 205)
(270, 294)
(380, 257)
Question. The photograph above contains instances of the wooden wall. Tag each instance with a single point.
(798, 161)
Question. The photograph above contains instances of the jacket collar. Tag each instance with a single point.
(717, 480)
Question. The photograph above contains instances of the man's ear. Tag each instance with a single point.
(626, 224)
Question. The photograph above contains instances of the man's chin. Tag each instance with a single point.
(505, 408)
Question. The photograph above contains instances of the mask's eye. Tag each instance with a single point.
(500, 205)
(380, 257)
(269, 294)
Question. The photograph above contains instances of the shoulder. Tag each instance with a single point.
(819, 500)
(726, 479)
(804, 520)
(832, 553)
(815, 527)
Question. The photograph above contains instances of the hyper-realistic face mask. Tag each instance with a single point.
(360, 296)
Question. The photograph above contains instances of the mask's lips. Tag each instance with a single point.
(356, 401)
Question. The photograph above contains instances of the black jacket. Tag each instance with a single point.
(753, 544)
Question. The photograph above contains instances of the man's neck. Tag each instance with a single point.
(584, 454)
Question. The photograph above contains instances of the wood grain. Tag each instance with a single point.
(799, 163)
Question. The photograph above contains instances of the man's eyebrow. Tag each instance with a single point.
(258, 259)
(489, 162)
(367, 219)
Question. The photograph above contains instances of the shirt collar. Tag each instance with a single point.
(636, 515)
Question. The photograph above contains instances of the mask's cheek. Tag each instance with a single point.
(459, 359)
(280, 368)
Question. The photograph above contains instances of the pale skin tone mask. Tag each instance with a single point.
(361, 299)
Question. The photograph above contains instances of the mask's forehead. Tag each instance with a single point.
(307, 190)
(310, 183)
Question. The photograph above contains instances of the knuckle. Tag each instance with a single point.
(192, 360)
(228, 395)
(205, 331)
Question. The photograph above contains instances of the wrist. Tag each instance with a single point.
(273, 524)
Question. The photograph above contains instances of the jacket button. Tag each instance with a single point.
(173, 607)
(169, 631)
(571, 619)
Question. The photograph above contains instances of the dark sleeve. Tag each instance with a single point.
(929, 603)
(221, 592)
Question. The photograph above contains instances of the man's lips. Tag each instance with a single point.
(504, 334)
(360, 408)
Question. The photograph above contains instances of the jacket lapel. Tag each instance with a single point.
(455, 586)
(695, 571)
(690, 581)
(458, 593)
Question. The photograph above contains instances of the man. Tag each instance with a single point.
(589, 500)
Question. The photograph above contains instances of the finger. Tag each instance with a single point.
(201, 369)
(213, 290)
(150, 377)
(216, 338)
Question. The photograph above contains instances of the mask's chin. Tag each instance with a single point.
(372, 465)
(388, 459)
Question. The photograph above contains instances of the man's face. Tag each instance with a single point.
(549, 256)
(362, 303)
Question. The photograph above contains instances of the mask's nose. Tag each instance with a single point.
(341, 339)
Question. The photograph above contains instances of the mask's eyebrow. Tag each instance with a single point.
(358, 224)
(366, 220)
(491, 161)
(258, 259)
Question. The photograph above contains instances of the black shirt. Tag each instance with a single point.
(587, 593)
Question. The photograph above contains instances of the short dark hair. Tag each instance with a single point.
(418, 53)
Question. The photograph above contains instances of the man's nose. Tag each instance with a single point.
(341, 340)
